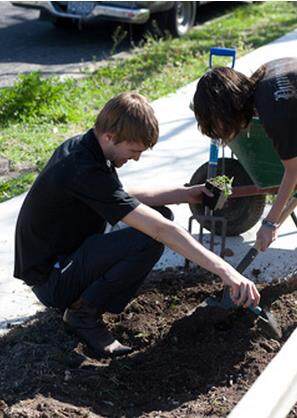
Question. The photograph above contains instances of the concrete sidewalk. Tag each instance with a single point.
(180, 151)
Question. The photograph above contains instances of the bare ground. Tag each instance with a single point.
(188, 361)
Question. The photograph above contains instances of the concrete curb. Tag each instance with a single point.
(275, 392)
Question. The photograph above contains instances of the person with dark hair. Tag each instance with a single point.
(61, 250)
(225, 102)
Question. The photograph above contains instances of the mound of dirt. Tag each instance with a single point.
(187, 360)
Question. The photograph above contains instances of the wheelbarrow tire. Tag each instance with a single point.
(241, 213)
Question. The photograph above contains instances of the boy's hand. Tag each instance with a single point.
(195, 193)
(243, 291)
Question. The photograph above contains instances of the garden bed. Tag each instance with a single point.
(182, 364)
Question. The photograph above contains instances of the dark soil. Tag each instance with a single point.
(187, 360)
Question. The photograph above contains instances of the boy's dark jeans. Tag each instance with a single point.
(106, 270)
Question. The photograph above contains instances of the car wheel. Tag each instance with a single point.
(65, 23)
(179, 19)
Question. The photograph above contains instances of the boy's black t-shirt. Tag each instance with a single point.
(276, 104)
(71, 199)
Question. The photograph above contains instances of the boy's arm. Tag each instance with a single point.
(152, 223)
(158, 196)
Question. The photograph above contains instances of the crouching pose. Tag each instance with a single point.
(61, 249)
(225, 102)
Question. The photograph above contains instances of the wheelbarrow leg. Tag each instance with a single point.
(187, 262)
(214, 221)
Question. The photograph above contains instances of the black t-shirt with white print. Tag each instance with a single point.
(72, 198)
(276, 104)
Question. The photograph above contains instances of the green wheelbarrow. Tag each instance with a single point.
(257, 172)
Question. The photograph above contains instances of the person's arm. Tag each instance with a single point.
(179, 240)
(158, 196)
(267, 234)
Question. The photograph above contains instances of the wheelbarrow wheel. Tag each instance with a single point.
(241, 213)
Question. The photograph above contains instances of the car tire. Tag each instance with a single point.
(65, 23)
(179, 19)
(241, 213)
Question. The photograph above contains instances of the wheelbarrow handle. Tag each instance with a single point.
(222, 52)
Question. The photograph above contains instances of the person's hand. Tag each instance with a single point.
(265, 236)
(195, 193)
(243, 291)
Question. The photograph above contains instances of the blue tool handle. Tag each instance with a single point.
(222, 52)
(227, 303)
(214, 152)
(257, 310)
(213, 158)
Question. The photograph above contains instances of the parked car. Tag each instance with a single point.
(176, 16)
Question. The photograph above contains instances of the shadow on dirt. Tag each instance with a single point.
(178, 357)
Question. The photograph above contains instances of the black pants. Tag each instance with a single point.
(106, 270)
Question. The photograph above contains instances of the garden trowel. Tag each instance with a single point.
(266, 318)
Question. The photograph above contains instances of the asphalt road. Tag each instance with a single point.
(28, 44)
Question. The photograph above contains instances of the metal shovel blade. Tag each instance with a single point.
(266, 320)
(268, 323)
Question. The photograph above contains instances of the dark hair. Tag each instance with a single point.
(129, 117)
(224, 101)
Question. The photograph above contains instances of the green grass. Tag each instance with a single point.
(37, 114)
(16, 186)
